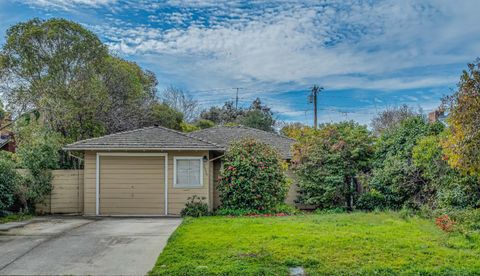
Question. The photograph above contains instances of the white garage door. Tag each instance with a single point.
(132, 185)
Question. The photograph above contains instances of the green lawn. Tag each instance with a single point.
(357, 243)
(14, 217)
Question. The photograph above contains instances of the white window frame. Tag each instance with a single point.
(175, 185)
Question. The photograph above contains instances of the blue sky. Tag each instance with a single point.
(368, 55)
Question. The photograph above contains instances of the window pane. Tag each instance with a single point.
(182, 172)
(194, 173)
(188, 172)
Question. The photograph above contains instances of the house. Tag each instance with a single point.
(153, 170)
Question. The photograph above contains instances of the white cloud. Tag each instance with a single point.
(69, 4)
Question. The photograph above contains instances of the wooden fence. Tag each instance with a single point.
(67, 193)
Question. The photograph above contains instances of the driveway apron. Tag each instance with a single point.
(81, 246)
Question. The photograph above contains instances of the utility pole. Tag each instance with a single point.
(236, 97)
(312, 98)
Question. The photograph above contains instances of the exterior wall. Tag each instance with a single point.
(67, 193)
(177, 197)
(217, 165)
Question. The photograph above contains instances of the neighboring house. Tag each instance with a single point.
(153, 170)
(7, 143)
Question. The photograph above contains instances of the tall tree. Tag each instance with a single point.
(462, 143)
(391, 118)
(182, 102)
(329, 161)
(53, 66)
(63, 71)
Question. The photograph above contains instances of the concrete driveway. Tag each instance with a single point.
(81, 246)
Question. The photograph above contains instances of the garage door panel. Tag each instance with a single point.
(132, 185)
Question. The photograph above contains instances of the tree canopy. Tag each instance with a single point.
(461, 145)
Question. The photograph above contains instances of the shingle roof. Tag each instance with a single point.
(224, 135)
(155, 137)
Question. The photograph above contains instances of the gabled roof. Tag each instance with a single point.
(152, 138)
(224, 135)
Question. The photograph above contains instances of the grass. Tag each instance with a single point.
(346, 244)
(14, 217)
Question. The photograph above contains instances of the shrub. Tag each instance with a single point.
(281, 209)
(8, 181)
(252, 177)
(371, 200)
(38, 153)
(445, 223)
(329, 162)
(195, 207)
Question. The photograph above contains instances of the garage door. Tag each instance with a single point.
(132, 185)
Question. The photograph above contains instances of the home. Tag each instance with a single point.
(154, 170)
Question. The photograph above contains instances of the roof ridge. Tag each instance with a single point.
(245, 127)
(189, 136)
(110, 135)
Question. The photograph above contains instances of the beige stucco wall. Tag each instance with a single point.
(177, 197)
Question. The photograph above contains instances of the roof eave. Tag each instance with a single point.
(134, 148)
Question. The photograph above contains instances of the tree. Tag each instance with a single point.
(222, 115)
(166, 116)
(391, 117)
(62, 71)
(252, 177)
(258, 116)
(461, 145)
(203, 124)
(296, 130)
(394, 173)
(448, 187)
(53, 66)
(329, 162)
(130, 93)
(182, 102)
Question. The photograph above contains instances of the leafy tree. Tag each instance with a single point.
(53, 66)
(186, 127)
(252, 177)
(394, 173)
(296, 130)
(8, 181)
(391, 117)
(166, 116)
(222, 115)
(62, 71)
(37, 152)
(182, 102)
(329, 163)
(258, 116)
(130, 93)
(461, 144)
(450, 188)
(203, 124)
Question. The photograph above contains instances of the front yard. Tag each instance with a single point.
(357, 243)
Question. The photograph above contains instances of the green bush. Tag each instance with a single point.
(236, 212)
(195, 207)
(371, 200)
(252, 177)
(329, 163)
(8, 181)
(38, 153)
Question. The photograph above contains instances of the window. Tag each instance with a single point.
(188, 172)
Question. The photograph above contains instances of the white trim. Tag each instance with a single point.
(97, 185)
(166, 185)
(97, 171)
(142, 149)
(175, 158)
(131, 154)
